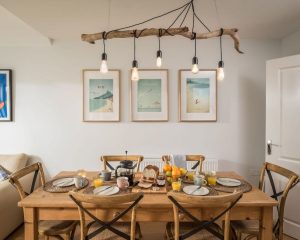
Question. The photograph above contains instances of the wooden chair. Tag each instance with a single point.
(199, 159)
(108, 228)
(199, 229)
(117, 158)
(251, 227)
(58, 229)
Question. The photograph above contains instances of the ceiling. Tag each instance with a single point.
(68, 19)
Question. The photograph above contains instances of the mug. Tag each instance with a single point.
(199, 180)
(106, 175)
(122, 182)
(78, 181)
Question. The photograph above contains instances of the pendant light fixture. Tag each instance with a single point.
(159, 52)
(220, 69)
(134, 70)
(103, 66)
(195, 68)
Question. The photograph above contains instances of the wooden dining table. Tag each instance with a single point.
(154, 207)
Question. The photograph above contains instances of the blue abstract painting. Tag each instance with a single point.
(5, 101)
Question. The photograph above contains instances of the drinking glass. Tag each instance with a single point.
(212, 178)
(176, 186)
(98, 182)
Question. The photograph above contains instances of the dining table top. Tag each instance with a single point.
(43, 199)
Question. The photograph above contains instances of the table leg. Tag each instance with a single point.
(31, 224)
(266, 223)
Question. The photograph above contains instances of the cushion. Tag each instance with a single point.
(4, 173)
(13, 162)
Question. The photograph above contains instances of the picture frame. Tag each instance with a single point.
(197, 95)
(101, 95)
(6, 112)
(149, 100)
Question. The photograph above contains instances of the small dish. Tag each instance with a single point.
(145, 185)
(229, 182)
(195, 190)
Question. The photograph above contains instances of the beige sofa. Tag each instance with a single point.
(11, 216)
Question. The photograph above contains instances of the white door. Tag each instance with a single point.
(283, 129)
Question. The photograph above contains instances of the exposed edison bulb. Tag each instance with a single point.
(220, 74)
(159, 62)
(220, 71)
(159, 58)
(195, 68)
(135, 74)
(103, 66)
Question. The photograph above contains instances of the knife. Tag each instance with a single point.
(195, 190)
(102, 190)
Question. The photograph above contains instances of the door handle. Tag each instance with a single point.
(269, 146)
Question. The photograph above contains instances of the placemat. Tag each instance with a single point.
(54, 189)
(244, 187)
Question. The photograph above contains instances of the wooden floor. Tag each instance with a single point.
(151, 231)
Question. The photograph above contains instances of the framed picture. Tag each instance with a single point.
(197, 96)
(5, 95)
(149, 96)
(101, 96)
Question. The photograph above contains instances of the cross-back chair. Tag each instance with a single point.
(117, 158)
(104, 202)
(251, 227)
(196, 228)
(199, 159)
(55, 229)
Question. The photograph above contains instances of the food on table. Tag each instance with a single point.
(169, 180)
(190, 176)
(161, 180)
(144, 185)
(150, 173)
(212, 178)
(167, 168)
(183, 171)
(175, 173)
(168, 173)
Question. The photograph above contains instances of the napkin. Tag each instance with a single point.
(179, 160)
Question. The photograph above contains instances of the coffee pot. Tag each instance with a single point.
(126, 169)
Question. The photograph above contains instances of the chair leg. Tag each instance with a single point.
(46, 237)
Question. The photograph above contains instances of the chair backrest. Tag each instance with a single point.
(224, 202)
(199, 159)
(292, 180)
(117, 158)
(35, 168)
(82, 200)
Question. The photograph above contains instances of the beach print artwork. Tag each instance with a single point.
(198, 95)
(149, 95)
(101, 95)
(3, 96)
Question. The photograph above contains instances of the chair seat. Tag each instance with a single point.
(52, 228)
(109, 235)
(186, 227)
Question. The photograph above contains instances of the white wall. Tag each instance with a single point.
(290, 45)
(48, 104)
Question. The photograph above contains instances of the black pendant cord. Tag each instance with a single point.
(194, 36)
(150, 19)
(134, 45)
(193, 8)
(189, 4)
(185, 15)
(221, 50)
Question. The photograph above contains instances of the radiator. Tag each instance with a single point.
(210, 164)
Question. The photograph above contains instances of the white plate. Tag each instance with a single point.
(191, 190)
(106, 190)
(229, 182)
(63, 182)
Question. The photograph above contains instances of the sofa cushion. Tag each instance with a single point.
(4, 173)
(13, 162)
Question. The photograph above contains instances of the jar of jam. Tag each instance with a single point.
(161, 180)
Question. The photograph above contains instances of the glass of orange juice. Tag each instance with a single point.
(176, 186)
(98, 182)
(212, 178)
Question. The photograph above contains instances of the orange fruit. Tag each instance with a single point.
(167, 168)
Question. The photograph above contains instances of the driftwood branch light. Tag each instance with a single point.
(128, 32)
